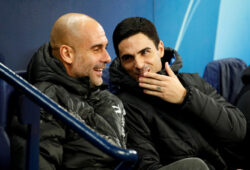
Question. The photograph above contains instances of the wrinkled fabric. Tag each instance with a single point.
(101, 111)
(162, 132)
(239, 155)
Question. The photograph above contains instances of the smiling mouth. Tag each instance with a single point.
(98, 71)
(99, 67)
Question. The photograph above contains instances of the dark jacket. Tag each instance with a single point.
(243, 98)
(61, 147)
(239, 155)
(162, 132)
(243, 103)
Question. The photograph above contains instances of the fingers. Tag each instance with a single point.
(152, 76)
(153, 93)
(151, 81)
(153, 87)
(169, 70)
(161, 77)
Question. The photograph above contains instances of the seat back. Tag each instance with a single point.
(4, 139)
(224, 76)
(28, 113)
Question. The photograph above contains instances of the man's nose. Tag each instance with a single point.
(106, 57)
(139, 63)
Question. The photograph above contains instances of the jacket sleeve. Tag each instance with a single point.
(140, 138)
(224, 121)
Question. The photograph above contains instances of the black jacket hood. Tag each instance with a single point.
(119, 77)
(246, 76)
(44, 67)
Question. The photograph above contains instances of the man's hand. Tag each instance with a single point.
(168, 88)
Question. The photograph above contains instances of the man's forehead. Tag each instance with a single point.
(138, 39)
(95, 36)
(97, 41)
(134, 45)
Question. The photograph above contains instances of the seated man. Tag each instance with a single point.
(69, 70)
(169, 115)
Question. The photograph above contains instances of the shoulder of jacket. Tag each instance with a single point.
(189, 77)
(194, 80)
(50, 89)
(45, 86)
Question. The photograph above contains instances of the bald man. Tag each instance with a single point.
(69, 70)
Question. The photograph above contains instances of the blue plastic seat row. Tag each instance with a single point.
(225, 76)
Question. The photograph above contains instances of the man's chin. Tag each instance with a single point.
(96, 83)
(136, 78)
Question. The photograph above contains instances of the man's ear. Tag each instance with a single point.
(66, 53)
(161, 49)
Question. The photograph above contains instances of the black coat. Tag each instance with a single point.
(243, 103)
(162, 132)
(61, 147)
(243, 99)
(239, 155)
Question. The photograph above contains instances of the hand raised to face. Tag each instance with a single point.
(168, 88)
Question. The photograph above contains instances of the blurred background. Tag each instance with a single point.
(200, 30)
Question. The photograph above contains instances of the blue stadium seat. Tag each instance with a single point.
(4, 139)
(225, 76)
(28, 113)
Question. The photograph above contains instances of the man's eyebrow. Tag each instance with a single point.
(126, 55)
(99, 46)
(147, 48)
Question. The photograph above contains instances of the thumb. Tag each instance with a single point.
(169, 70)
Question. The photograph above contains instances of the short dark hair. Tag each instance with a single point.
(131, 26)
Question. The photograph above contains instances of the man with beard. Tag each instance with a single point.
(169, 115)
(68, 69)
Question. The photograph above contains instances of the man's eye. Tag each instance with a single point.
(143, 52)
(96, 49)
(127, 57)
